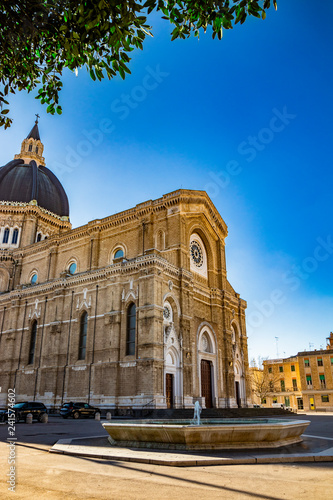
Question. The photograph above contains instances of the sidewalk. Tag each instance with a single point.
(312, 449)
(97, 471)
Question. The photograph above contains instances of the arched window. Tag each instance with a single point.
(39, 237)
(5, 235)
(205, 344)
(131, 327)
(72, 268)
(119, 253)
(83, 335)
(32, 343)
(33, 279)
(198, 255)
(37, 150)
(15, 236)
(30, 147)
(233, 334)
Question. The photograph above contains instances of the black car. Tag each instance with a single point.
(77, 410)
(21, 410)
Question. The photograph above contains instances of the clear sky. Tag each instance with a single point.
(249, 120)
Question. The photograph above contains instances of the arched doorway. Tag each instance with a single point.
(206, 382)
(238, 363)
(173, 383)
(169, 397)
(239, 383)
(207, 367)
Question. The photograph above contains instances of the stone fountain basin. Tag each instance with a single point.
(212, 434)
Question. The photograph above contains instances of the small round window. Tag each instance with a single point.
(119, 253)
(196, 253)
(33, 279)
(72, 268)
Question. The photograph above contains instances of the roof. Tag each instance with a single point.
(34, 132)
(20, 182)
(319, 352)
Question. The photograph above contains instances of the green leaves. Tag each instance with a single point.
(40, 39)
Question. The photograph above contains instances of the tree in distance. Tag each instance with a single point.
(40, 38)
(263, 383)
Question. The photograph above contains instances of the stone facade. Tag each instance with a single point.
(121, 312)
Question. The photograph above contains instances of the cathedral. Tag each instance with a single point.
(124, 312)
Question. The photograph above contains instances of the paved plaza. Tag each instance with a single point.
(41, 474)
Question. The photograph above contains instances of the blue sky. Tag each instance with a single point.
(249, 120)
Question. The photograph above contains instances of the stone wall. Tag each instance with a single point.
(154, 272)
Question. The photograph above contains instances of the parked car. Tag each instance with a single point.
(21, 411)
(77, 410)
(278, 405)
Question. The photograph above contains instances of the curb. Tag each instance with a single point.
(68, 447)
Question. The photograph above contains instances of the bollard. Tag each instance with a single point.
(28, 418)
(44, 418)
(108, 415)
(97, 416)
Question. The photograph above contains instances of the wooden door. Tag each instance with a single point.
(238, 399)
(169, 389)
(206, 382)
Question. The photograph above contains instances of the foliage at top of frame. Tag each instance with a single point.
(39, 39)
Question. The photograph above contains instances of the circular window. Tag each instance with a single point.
(196, 253)
(166, 313)
(72, 268)
(33, 279)
(204, 343)
(119, 253)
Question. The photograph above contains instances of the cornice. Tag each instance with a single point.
(146, 208)
(6, 255)
(320, 352)
(134, 214)
(119, 269)
(19, 207)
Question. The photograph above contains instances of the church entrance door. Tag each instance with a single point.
(206, 382)
(238, 399)
(169, 389)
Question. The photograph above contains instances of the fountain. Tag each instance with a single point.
(197, 412)
(204, 434)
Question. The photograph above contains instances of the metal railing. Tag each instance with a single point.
(150, 404)
(148, 407)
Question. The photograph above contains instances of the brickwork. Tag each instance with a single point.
(182, 316)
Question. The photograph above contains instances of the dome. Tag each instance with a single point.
(26, 178)
(23, 182)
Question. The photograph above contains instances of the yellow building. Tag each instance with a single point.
(283, 383)
(302, 382)
(129, 310)
(258, 385)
